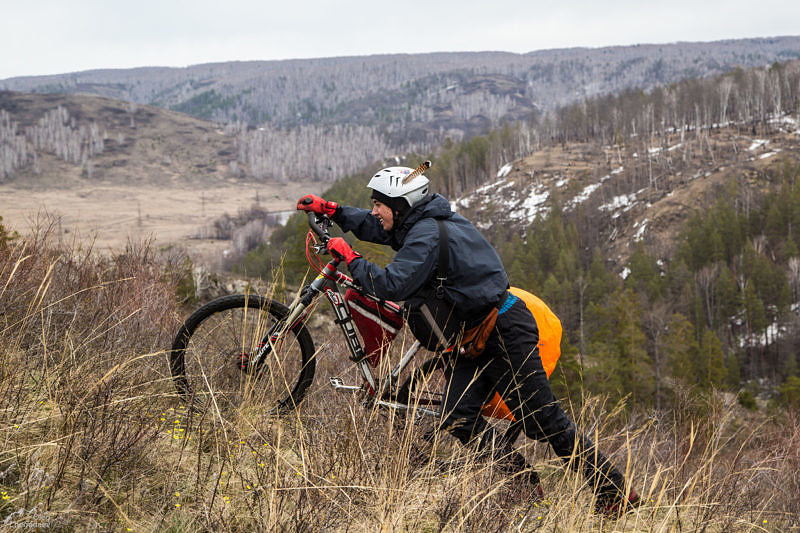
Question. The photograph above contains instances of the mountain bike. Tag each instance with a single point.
(247, 350)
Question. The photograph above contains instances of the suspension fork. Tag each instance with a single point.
(297, 313)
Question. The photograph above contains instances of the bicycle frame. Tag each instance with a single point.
(330, 282)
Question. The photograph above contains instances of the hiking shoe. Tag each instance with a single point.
(530, 477)
(612, 505)
(515, 466)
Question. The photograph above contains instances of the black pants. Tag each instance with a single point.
(511, 366)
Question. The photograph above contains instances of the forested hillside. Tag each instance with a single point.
(661, 226)
(57, 140)
(321, 118)
(60, 138)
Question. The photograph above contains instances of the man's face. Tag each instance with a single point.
(383, 213)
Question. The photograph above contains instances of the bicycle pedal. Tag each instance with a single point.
(338, 384)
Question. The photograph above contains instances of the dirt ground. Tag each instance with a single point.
(110, 214)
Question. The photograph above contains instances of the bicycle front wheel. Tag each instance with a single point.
(211, 360)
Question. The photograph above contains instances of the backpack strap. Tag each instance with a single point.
(444, 259)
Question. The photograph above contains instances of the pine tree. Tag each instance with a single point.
(681, 348)
(756, 321)
(618, 344)
(601, 282)
(710, 362)
(644, 274)
(726, 296)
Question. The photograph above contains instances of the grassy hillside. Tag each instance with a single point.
(95, 438)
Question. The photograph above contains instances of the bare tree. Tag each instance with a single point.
(724, 89)
(794, 278)
(655, 321)
(706, 280)
(131, 108)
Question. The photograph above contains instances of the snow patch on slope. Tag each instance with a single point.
(642, 226)
(768, 154)
(621, 204)
(589, 189)
(504, 170)
(532, 206)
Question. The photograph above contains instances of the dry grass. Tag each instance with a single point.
(93, 436)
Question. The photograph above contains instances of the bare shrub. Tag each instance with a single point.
(82, 349)
(226, 226)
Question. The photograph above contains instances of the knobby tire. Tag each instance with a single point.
(206, 350)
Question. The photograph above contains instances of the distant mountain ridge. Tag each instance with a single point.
(325, 118)
(436, 94)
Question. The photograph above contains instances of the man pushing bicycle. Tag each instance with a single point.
(466, 275)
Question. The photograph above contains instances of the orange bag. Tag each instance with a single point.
(549, 346)
(549, 328)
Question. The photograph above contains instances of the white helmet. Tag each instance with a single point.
(392, 182)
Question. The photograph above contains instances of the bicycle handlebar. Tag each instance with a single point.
(320, 224)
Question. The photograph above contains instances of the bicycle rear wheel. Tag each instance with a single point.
(206, 360)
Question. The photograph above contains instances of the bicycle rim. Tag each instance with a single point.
(208, 351)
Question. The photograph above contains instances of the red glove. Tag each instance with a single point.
(339, 248)
(315, 204)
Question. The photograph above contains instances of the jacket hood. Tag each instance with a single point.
(432, 206)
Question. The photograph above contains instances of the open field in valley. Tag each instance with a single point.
(110, 214)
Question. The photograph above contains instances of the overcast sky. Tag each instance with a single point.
(57, 36)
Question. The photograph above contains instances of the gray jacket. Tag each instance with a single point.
(476, 277)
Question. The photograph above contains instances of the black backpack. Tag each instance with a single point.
(431, 316)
